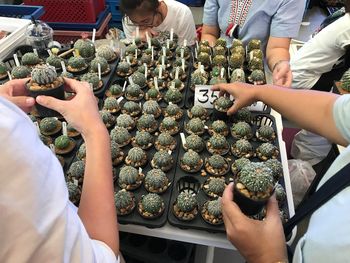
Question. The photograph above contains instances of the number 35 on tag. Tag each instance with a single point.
(204, 96)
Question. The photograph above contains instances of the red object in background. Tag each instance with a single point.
(69, 11)
(199, 33)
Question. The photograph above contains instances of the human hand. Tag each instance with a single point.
(282, 74)
(16, 92)
(244, 94)
(257, 241)
(81, 111)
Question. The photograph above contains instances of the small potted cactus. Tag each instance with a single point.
(254, 185)
(151, 107)
(30, 59)
(236, 61)
(116, 154)
(238, 50)
(217, 144)
(195, 126)
(214, 186)
(276, 168)
(219, 60)
(139, 79)
(170, 125)
(162, 160)
(132, 108)
(223, 104)
(177, 84)
(165, 142)
(50, 126)
(238, 164)
(136, 157)
(197, 79)
(64, 144)
(107, 118)
(256, 63)
(124, 202)
(186, 51)
(237, 75)
(216, 165)
(111, 105)
(121, 136)
(143, 140)
(105, 69)
(85, 48)
(75, 173)
(130, 178)
(267, 151)
(204, 49)
(236, 43)
(55, 61)
(241, 130)
(198, 111)
(218, 127)
(266, 133)
(156, 181)
(253, 44)
(153, 94)
(243, 115)
(257, 77)
(124, 69)
(3, 71)
(107, 53)
(217, 80)
(131, 49)
(182, 74)
(221, 42)
(147, 122)
(173, 110)
(77, 65)
(151, 206)
(242, 148)
(93, 79)
(185, 208)
(219, 50)
(212, 212)
(134, 92)
(81, 153)
(115, 91)
(195, 143)
(45, 81)
(147, 59)
(255, 53)
(126, 121)
(74, 193)
(164, 74)
(281, 195)
(191, 162)
(178, 63)
(344, 84)
(167, 63)
(20, 72)
(204, 59)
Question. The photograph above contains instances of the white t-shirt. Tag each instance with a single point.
(37, 221)
(327, 238)
(321, 53)
(179, 17)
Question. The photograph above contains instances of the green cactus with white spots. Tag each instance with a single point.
(128, 175)
(218, 141)
(216, 185)
(62, 142)
(345, 81)
(191, 158)
(256, 177)
(162, 159)
(217, 161)
(103, 64)
(214, 208)
(85, 47)
(91, 78)
(195, 125)
(152, 203)
(30, 59)
(186, 202)
(124, 120)
(44, 74)
(136, 155)
(195, 143)
(151, 107)
(120, 135)
(20, 72)
(76, 62)
(105, 52)
(146, 121)
(156, 178)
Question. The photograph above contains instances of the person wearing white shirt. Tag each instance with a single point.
(38, 223)
(154, 16)
(327, 237)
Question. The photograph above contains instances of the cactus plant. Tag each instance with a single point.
(143, 139)
(44, 77)
(276, 168)
(195, 126)
(221, 42)
(152, 107)
(214, 186)
(107, 118)
(223, 104)
(280, 195)
(244, 115)
(153, 94)
(217, 80)
(186, 50)
(64, 144)
(238, 164)
(219, 60)
(147, 122)
(253, 44)
(241, 130)
(134, 92)
(218, 127)
(195, 143)
(81, 154)
(266, 133)
(219, 50)
(129, 178)
(170, 125)
(115, 91)
(204, 58)
(256, 53)
(173, 96)
(76, 65)
(173, 110)
(156, 181)
(256, 63)
(345, 81)
(257, 77)
(49, 126)
(238, 75)
(132, 108)
(267, 151)
(124, 202)
(106, 52)
(198, 79)
(92, 78)
(124, 69)
(139, 79)
(191, 161)
(162, 160)
(242, 148)
(146, 58)
(3, 70)
(111, 104)
(185, 207)
(238, 50)
(54, 61)
(130, 50)
(236, 60)
(121, 136)
(30, 59)
(204, 49)
(116, 154)
(211, 212)
(73, 193)
(198, 111)
(76, 171)
(85, 47)
(151, 206)
(125, 121)
(236, 43)
(136, 157)
(105, 69)
(216, 165)
(217, 144)
(165, 142)
(20, 72)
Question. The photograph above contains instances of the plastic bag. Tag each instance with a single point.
(301, 176)
(310, 147)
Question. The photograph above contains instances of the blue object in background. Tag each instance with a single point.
(21, 11)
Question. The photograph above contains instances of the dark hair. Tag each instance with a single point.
(347, 6)
(127, 7)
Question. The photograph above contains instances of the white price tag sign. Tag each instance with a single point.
(204, 96)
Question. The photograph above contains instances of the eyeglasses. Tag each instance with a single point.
(146, 22)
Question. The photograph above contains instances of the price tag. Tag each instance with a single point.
(160, 75)
(204, 96)
(136, 53)
(169, 152)
(152, 51)
(16, 60)
(128, 59)
(177, 72)
(133, 41)
(35, 51)
(167, 43)
(156, 83)
(164, 51)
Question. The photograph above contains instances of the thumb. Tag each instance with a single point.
(23, 101)
(272, 210)
(51, 102)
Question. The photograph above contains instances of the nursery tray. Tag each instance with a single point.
(192, 182)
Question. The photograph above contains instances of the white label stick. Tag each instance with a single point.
(37, 127)
(177, 72)
(172, 34)
(156, 83)
(64, 128)
(16, 60)
(131, 81)
(93, 35)
(99, 71)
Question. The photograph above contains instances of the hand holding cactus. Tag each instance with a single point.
(16, 92)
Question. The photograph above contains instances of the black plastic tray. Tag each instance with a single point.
(193, 182)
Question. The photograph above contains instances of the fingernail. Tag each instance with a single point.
(30, 101)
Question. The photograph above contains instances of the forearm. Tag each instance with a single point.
(97, 208)
(210, 34)
(310, 110)
(276, 54)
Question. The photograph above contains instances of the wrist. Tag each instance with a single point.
(95, 131)
(278, 63)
